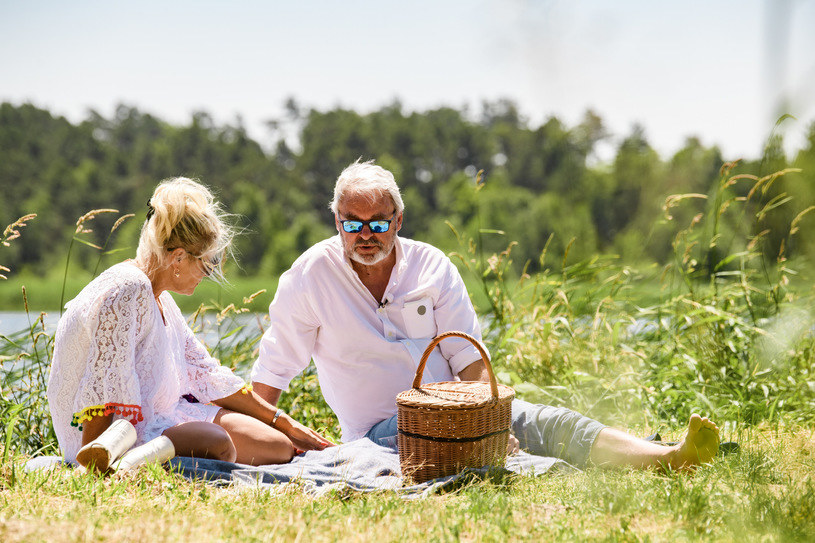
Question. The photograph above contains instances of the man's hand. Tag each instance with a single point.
(302, 437)
(513, 445)
(477, 371)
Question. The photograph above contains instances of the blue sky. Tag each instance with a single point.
(714, 69)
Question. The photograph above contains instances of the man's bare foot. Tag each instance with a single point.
(700, 445)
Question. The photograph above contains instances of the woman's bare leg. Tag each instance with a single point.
(256, 443)
(200, 439)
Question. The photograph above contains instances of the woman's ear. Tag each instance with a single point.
(177, 254)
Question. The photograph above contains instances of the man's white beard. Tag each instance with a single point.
(370, 260)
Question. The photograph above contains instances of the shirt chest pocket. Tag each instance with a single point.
(420, 322)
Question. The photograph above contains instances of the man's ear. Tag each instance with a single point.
(337, 222)
(399, 221)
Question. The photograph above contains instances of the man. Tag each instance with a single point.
(365, 304)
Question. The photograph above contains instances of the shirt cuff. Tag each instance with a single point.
(263, 375)
(464, 358)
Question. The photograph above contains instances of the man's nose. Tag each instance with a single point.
(366, 233)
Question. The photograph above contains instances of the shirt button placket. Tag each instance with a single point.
(386, 323)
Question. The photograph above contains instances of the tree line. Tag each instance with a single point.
(542, 186)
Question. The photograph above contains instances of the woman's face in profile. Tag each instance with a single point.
(191, 271)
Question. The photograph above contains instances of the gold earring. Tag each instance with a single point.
(177, 273)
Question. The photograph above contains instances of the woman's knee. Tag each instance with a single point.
(256, 442)
(222, 447)
(284, 451)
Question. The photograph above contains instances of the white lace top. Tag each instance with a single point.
(113, 353)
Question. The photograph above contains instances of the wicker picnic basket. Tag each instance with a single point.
(448, 426)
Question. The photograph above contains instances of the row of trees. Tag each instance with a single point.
(539, 181)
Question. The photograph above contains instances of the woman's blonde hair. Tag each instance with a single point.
(182, 213)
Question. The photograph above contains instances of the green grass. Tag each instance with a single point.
(764, 493)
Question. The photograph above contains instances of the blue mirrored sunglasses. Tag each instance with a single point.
(377, 226)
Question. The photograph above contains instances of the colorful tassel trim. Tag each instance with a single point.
(246, 389)
(127, 411)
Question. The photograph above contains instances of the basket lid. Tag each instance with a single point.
(453, 395)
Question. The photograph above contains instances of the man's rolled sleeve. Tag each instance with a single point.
(287, 345)
(463, 358)
(454, 312)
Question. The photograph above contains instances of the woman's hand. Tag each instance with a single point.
(513, 445)
(302, 437)
(250, 403)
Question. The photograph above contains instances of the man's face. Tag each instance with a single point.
(366, 247)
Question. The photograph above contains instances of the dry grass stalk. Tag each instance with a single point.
(90, 215)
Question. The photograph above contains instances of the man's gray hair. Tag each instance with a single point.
(366, 178)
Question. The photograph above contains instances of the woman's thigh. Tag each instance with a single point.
(200, 439)
(256, 443)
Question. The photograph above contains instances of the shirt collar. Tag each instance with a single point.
(401, 262)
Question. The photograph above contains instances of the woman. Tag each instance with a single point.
(124, 350)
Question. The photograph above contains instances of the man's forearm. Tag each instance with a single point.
(477, 371)
(268, 393)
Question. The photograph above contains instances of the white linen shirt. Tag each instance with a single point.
(366, 352)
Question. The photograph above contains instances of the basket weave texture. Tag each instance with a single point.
(448, 426)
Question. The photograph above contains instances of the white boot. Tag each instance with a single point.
(158, 450)
(100, 453)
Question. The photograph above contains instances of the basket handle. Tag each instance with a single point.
(417, 381)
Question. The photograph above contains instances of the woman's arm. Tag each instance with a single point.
(249, 403)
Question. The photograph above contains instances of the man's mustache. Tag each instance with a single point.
(369, 242)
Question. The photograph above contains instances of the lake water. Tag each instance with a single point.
(15, 321)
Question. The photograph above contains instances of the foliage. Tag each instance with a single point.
(12, 232)
(728, 333)
(543, 183)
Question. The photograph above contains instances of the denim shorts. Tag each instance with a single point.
(542, 430)
(384, 433)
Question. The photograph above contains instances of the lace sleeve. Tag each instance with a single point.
(109, 382)
(207, 378)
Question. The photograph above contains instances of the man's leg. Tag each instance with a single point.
(614, 448)
(384, 433)
(563, 433)
(554, 431)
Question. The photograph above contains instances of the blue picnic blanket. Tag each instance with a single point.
(361, 466)
(357, 466)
